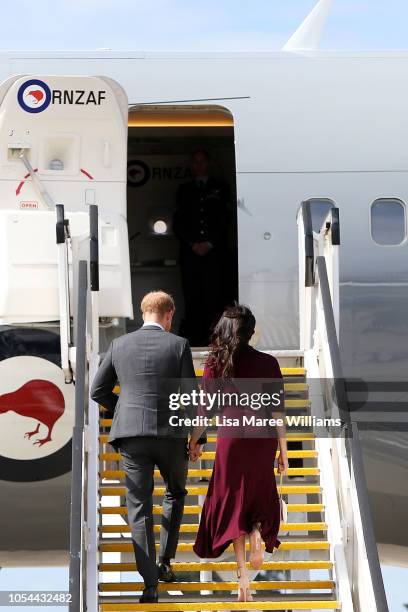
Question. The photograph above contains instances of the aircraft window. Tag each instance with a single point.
(319, 209)
(388, 222)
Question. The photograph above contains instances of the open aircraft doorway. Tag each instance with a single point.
(182, 193)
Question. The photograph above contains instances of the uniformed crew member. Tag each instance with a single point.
(201, 224)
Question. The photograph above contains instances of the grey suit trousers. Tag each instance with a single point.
(140, 456)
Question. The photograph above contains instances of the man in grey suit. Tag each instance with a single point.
(149, 364)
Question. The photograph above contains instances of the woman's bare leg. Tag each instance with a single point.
(256, 554)
(239, 550)
(244, 593)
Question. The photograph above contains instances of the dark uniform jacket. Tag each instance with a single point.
(202, 213)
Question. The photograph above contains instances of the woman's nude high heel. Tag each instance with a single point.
(244, 590)
(256, 555)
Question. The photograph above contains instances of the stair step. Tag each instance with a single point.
(193, 473)
(289, 604)
(289, 403)
(288, 386)
(258, 585)
(304, 437)
(127, 547)
(202, 490)
(122, 510)
(193, 528)
(285, 372)
(222, 566)
(297, 387)
(210, 455)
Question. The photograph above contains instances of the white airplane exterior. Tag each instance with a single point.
(326, 127)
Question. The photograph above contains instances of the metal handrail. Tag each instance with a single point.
(309, 246)
(332, 222)
(76, 531)
(93, 247)
(91, 518)
(352, 440)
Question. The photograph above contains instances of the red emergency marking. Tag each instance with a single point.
(87, 174)
(20, 186)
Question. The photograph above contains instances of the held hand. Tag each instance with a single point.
(195, 451)
(283, 463)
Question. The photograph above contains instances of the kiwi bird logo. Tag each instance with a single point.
(36, 95)
(37, 399)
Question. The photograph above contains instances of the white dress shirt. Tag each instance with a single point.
(154, 323)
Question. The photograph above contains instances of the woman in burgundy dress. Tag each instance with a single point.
(242, 498)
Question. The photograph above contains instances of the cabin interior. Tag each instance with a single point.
(161, 141)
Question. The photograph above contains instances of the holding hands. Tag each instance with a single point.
(195, 451)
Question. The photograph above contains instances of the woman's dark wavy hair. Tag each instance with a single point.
(231, 334)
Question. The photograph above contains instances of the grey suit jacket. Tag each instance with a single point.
(148, 364)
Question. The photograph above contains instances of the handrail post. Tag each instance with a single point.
(75, 574)
(94, 274)
(330, 241)
(306, 275)
(92, 426)
(62, 232)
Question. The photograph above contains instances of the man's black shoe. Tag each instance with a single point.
(150, 595)
(166, 574)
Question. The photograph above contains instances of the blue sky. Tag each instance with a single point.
(182, 24)
(179, 25)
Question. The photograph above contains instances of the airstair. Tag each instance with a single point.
(210, 585)
(328, 557)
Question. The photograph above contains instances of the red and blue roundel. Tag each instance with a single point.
(34, 96)
(36, 406)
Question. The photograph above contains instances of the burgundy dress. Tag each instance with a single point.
(242, 490)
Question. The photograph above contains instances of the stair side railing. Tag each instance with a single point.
(92, 518)
(76, 570)
(83, 569)
(357, 570)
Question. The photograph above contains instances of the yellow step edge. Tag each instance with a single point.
(289, 403)
(297, 403)
(285, 372)
(210, 455)
(260, 585)
(306, 437)
(222, 566)
(127, 547)
(193, 528)
(122, 510)
(120, 474)
(220, 605)
(285, 489)
(298, 387)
